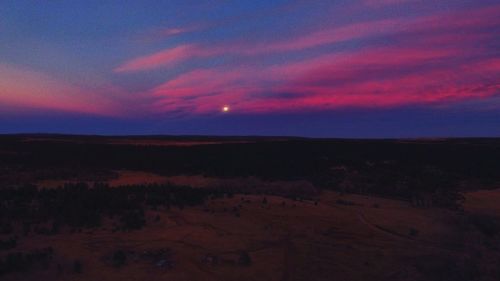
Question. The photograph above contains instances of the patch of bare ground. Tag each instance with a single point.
(119, 178)
(483, 201)
(236, 185)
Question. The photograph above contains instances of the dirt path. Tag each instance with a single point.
(382, 230)
(425, 243)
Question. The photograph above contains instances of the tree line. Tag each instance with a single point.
(83, 206)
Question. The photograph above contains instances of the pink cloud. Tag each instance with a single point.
(489, 66)
(25, 88)
(355, 82)
(384, 77)
(433, 60)
(203, 91)
(326, 37)
(173, 56)
(157, 34)
(437, 27)
(164, 58)
(441, 23)
(167, 32)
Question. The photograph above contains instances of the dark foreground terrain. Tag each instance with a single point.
(248, 208)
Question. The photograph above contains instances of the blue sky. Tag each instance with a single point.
(364, 68)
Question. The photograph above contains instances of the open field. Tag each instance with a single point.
(285, 239)
(252, 223)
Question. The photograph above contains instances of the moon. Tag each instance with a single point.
(225, 108)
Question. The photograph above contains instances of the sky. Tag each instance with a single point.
(353, 68)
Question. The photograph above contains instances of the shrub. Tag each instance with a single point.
(8, 244)
(413, 232)
(119, 258)
(244, 259)
(133, 220)
(77, 267)
(345, 202)
(486, 224)
(25, 261)
(6, 228)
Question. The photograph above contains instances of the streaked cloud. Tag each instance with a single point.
(432, 60)
(172, 56)
(259, 58)
(30, 90)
